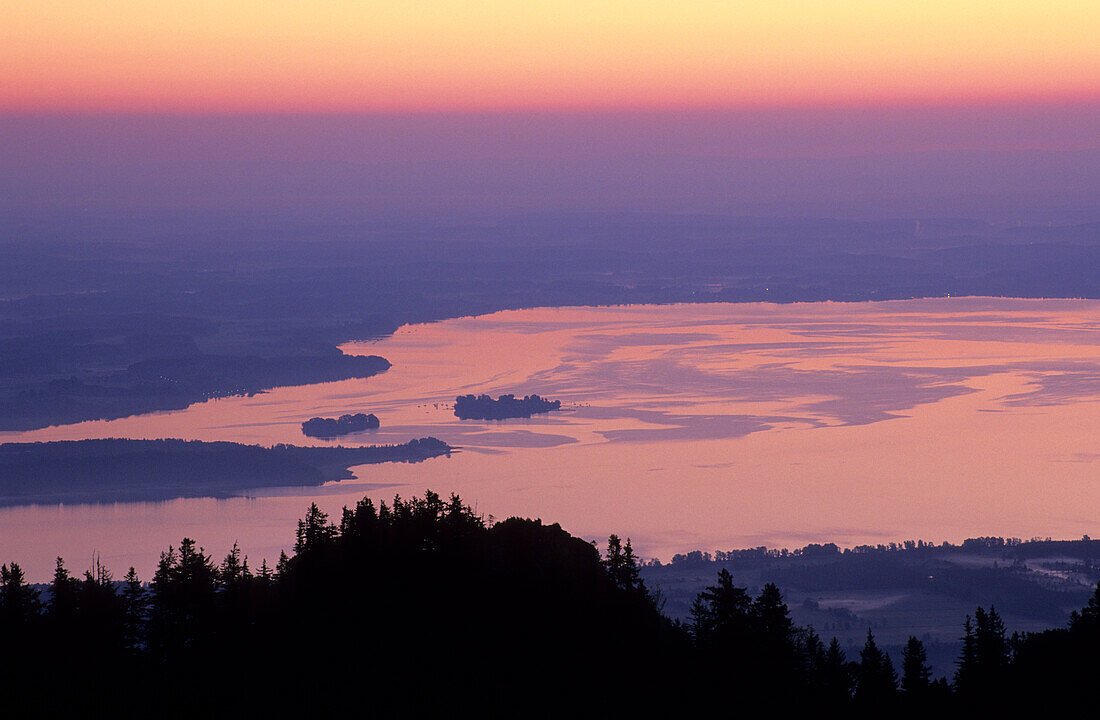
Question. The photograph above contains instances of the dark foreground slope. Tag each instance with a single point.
(116, 470)
(423, 609)
(415, 609)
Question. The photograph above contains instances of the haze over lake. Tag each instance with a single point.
(683, 427)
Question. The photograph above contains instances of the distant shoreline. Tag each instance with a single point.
(103, 331)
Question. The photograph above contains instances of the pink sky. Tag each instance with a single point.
(444, 55)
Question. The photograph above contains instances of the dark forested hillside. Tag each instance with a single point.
(411, 608)
(420, 607)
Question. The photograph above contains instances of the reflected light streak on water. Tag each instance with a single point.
(687, 427)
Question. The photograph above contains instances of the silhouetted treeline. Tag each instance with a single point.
(420, 607)
(1007, 548)
(320, 427)
(121, 469)
(484, 407)
(415, 607)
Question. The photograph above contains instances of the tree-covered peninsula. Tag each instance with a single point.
(115, 470)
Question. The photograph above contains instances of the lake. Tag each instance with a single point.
(710, 426)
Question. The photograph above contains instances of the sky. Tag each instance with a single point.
(828, 108)
(199, 56)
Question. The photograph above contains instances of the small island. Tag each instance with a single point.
(325, 428)
(484, 407)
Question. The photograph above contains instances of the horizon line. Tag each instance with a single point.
(1088, 102)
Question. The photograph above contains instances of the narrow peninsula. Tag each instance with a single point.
(117, 470)
(484, 407)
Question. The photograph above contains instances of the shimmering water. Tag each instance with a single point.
(686, 427)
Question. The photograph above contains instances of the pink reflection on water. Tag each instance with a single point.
(693, 426)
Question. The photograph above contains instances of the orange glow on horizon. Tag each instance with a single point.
(440, 55)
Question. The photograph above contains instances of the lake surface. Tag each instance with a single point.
(684, 427)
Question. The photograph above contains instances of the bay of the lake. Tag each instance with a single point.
(710, 426)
